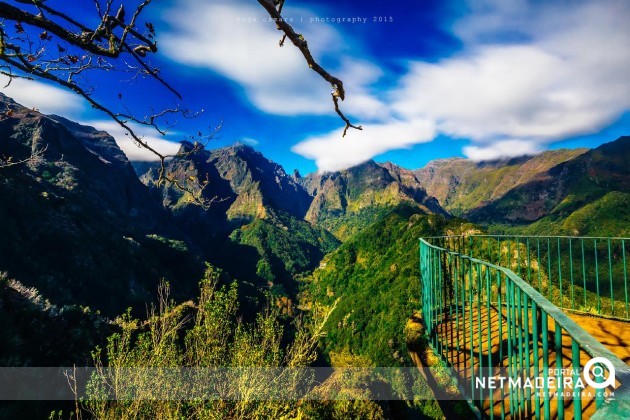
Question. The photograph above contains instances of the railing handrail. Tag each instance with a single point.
(584, 339)
(526, 236)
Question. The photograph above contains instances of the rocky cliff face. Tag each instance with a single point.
(241, 179)
(355, 197)
(77, 160)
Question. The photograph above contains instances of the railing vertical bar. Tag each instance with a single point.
(560, 274)
(499, 256)
(463, 302)
(535, 358)
(528, 397)
(583, 272)
(599, 306)
(489, 343)
(559, 369)
(549, 289)
(518, 257)
(510, 365)
(479, 332)
(448, 285)
(610, 278)
(434, 298)
(489, 248)
(571, 273)
(529, 265)
(449, 296)
(625, 275)
(472, 338)
(443, 304)
(440, 302)
(545, 350)
(577, 399)
(519, 364)
(433, 306)
(539, 266)
(456, 277)
(500, 318)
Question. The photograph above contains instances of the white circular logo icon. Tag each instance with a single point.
(593, 367)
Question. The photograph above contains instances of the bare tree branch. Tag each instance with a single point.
(28, 50)
(274, 8)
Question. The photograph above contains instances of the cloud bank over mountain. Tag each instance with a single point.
(526, 76)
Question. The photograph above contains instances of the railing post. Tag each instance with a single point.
(545, 348)
(577, 403)
(535, 333)
(583, 272)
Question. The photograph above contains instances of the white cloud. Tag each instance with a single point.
(565, 83)
(131, 149)
(501, 149)
(218, 36)
(46, 98)
(250, 141)
(277, 80)
(331, 152)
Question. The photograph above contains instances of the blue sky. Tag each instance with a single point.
(432, 79)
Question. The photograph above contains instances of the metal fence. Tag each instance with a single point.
(485, 321)
(587, 274)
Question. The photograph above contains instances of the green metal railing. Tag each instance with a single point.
(587, 274)
(485, 321)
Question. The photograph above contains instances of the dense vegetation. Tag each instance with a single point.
(607, 215)
(375, 275)
(286, 247)
(345, 226)
(207, 334)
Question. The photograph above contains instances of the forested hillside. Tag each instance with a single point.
(375, 274)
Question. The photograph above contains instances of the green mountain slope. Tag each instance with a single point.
(242, 180)
(462, 185)
(347, 201)
(375, 274)
(608, 215)
(286, 247)
(254, 229)
(554, 196)
(78, 224)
